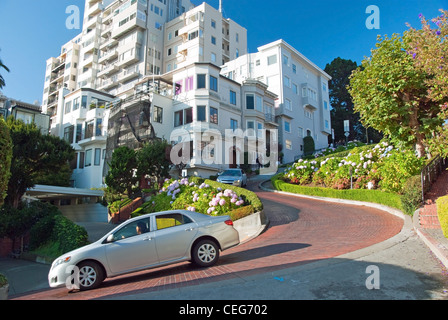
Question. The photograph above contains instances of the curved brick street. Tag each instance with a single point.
(300, 231)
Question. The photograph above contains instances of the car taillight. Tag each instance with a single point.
(229, 222)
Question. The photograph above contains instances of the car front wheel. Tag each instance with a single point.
(90, 275)
(205, 253)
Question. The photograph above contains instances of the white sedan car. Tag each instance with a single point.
(145, 242)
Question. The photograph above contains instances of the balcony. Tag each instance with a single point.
(108, 70)
(108, 83)
(129, 59)
(128, 74)
(108, 55)
(128, 26)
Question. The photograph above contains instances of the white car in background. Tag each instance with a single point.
(235, 177)
(146, 242)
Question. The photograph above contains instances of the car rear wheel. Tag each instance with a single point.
(91, 275)
(205, 253)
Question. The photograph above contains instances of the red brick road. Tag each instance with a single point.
(300, 231)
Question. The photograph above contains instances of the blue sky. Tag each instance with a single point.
(32, 31)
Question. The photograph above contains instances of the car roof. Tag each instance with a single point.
(192, 214)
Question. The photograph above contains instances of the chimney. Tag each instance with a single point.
(220, 6)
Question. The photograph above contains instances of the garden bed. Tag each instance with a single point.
(203, 196)
(377, 173)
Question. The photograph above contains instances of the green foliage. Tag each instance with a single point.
(5, 159)
(3, 280)
(69, 235)
(442, 212)
(390, 94)
(204, 196)
(308, 145)
(376, 167)
(121, 176)
(411, 198)
(33, 155)
(152, 161)
(374, 196)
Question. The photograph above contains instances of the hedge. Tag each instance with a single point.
(385, 198)
(442, 212)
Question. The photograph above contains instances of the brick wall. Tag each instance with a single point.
(125, 212)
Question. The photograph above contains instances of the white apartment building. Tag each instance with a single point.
(303, 107)
(142, 69)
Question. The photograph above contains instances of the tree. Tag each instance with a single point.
(2, 80)
(153, 161)
(5, 159)
(391, 95)
(122, 176)
(429, 50)
(33, 154)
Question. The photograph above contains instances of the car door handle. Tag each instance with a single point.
(189, 229)
(147, 239)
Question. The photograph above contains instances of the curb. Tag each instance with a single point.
(251, 226)
(439, 251)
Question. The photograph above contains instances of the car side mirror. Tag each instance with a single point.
(110, 238)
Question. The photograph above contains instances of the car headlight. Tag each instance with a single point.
(61, 261)
(218, 180)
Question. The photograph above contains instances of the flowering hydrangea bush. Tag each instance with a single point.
(379, 167)
(184, 194)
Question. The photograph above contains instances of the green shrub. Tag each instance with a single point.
(241, 212)
(442, 212)
(308, 145)
(3, 280)
(375, 196)
(411, 198)
(69, 235)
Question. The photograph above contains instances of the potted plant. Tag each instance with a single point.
(4, 287)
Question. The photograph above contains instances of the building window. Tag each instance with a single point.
(213, 24)
(69, 133)
(201, 81)
(189, 83)
(178, 89)
(76, 104)
(287, 81)
(285, 60)
(89, 130)
(288, 144)
(213, 83)
(78, 132)
(213, 115)
(272, 59)
(213, 40)
(233, 124)
(288, 104)
(327, 124)
(68, 107)
(158, 114)
(300, 132)
(213, 57)
(97, 160)
(325, 105)
(88, 159)
(232, 97)
(200, 113)
(178, 118)
(81, 160)
(250, 128)
(99, 127)
(188, 115)
(294, 68)
(250, 102)
(287, 126)
(84, 102)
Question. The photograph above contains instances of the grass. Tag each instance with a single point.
(49, 250)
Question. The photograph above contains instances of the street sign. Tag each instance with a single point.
(346, 126)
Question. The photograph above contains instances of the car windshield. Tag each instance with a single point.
(232, 173)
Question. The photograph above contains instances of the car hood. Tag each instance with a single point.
(225, 177)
